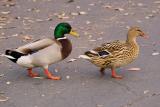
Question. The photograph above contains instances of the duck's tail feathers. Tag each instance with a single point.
(91, 53)
(84, 57)
(88, 55)
(13, 55)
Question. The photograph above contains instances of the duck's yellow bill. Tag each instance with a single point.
(74, 33)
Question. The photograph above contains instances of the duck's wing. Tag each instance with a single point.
(36, 45)
(112, 46)
(107, 49)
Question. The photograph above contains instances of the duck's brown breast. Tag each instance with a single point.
(66, 47)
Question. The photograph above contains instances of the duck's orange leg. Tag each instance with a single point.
(32, 74)
(51, 76)
(114, 75)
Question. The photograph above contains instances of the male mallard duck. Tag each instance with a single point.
(42, 53)
(115, 54)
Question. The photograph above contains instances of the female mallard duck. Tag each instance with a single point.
(115, 54)
(44, 52)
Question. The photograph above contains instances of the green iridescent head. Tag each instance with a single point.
(62, 29)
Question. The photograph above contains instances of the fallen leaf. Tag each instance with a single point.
(42, 95)
(3, 98)
(56, 70)
(6, 12)
(119, 9)
(1, 75)
(74, 14)
(78, 7)
(88, 22)
(61, 15)
(92, 4)
(9, 4)
(92, 40)
(99, 105)
(126, 14)
(100, 38)
(134, 69)
(155, 53)
(139, 21)
(38, 77)
(3, 18)
(146, 92)
(39, 20)
(27, 37)
(14, 35)
(8, 82)
(82, 12)
(67, 77)
(108, 6)
(70, 1)
(140, 4)
(157, 2)
(71, 60)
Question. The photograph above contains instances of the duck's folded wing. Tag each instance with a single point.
(107, 49)
(36, 45)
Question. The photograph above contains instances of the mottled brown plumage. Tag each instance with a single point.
(117, 53)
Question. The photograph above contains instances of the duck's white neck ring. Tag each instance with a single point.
(62, 38)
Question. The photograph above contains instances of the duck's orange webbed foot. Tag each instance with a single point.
(114, 75)
(51, 76)
(32, 74)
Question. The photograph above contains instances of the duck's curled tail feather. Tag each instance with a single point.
(13, 55)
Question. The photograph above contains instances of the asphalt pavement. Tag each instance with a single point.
(97, 22)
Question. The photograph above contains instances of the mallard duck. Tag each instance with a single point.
(115, 54)
(44, 52)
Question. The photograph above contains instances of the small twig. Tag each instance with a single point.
(8, 27)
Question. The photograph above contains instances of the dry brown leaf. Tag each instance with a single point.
(3, 18)
(27, 37)
(108, 6)
(134, 69)
(70, 1)
(6, 12)
(9, 4)
(119, 9)
(74, 14)
(61, 15)
(3, 98)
